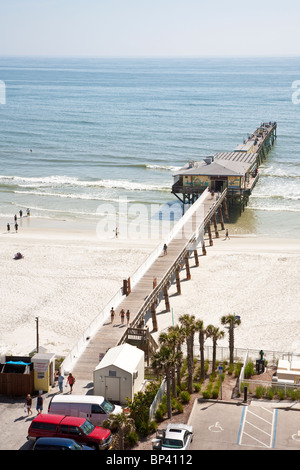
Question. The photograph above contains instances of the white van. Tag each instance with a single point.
(92, 407)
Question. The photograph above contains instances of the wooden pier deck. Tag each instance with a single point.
(143, 296)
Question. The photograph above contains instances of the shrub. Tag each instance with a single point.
(179, 407)
(249, 370)
(185, 397)
(197, 387)
(237, 369)
(132, 438)
(270, 393)
(159, 414)
(260, 391)
(230, 369)
(280, 393)
(206, 394)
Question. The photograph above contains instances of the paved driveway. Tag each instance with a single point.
(259, 425)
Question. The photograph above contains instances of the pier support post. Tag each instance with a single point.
(166, 296)
(177, 275)
(225, 209)
(153, 315)
(215, 225)
(203, 248)
(125, 287)
(221, 217)
(187, 266)
(196, 258)
(128, 285)
(209, 234)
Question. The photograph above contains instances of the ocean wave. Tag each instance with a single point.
(274, 209)
(276, 196)
(163, 167)
(68, 181)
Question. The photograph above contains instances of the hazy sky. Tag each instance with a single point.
(141, 28)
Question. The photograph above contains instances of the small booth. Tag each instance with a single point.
(120, 374)
(44, 371)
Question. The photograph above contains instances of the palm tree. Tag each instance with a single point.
(178, 332)
(124, 426)
(189, 325)
(200, 328)
(170, 340)
(214, 333)
(231, 321)
(165, 359)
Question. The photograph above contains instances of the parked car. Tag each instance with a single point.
(58, 443)
(92, 407)
(79, 429)
(174, 437)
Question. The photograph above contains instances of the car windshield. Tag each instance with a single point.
(172, 443)
(107, 406)
(87, 427)
(75, 446)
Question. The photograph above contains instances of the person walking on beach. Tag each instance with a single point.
(15, 217)
(39, 403)
(112, 315)
(71, 381)
(28, 404)
(16, 227)
(127, 316)
(60, 382)
(165, 249)
(8, 228)
(21, 213)
(122, 314)
(227, 235)
(28, 212)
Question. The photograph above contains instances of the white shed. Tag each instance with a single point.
(120, 374)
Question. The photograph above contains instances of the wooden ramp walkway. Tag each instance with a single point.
(143, 296)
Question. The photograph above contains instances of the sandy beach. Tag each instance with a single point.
(69, 274)
(255, 278)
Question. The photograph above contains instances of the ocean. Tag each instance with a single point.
(85, 139)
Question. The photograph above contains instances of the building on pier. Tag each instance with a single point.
(236, 170)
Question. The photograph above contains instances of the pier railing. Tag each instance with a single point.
(189, 245)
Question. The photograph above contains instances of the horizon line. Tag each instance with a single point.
(181, 57)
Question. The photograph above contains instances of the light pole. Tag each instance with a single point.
(37, 333)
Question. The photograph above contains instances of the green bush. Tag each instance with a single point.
(237, 369)
(270, 393)
(230, 369)
(185, 397)
(249, 370)
(293, 394)
(197, 387)
(280, 393)
(179, 407)
(260, 391)
(159, 414)
(132, 438)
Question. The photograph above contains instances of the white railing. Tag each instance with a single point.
(157, 400)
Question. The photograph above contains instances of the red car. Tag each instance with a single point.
(79, 429)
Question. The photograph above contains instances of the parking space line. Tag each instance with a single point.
(257, 431)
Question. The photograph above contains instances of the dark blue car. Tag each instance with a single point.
(58, 443)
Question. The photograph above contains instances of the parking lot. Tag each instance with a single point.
(258, 425)
(217, 425)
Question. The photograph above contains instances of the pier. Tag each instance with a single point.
(142, 299)
(209, 190)
(236, 170)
